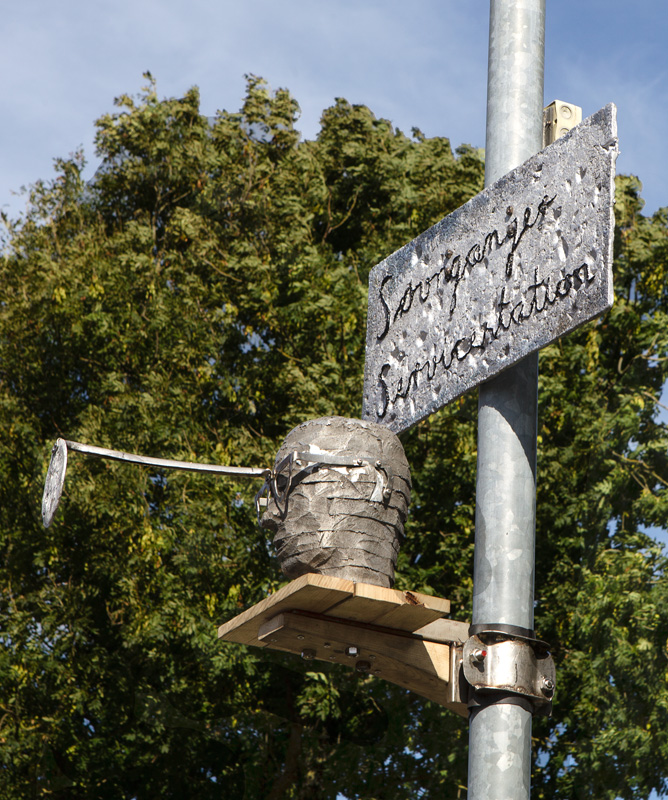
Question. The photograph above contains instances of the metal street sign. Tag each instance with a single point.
(522, 263)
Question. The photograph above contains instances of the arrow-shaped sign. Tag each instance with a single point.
(522, 263)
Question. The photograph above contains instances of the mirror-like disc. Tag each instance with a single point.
(55, 478)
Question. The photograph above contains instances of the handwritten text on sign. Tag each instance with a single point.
(525, 261)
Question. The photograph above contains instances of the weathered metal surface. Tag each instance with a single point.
(522, 263)
(335, 518)
(500, 664)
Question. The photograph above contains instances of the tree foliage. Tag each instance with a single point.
(200, 297)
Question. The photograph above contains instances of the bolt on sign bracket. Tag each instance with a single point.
(399, 636)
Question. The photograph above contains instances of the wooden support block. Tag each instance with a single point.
(422, 666)
(445, 630)
(401, 636)
(328, 639)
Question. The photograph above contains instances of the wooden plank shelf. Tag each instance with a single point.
(398, 636)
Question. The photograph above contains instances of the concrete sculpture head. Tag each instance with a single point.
(337, 500)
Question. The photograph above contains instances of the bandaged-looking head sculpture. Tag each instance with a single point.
(337, 500)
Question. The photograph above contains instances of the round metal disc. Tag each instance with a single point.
(55, 478)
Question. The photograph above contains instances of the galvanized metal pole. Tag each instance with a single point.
(500, 733)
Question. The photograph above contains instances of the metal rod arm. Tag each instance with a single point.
(166, 463)
(55, 476)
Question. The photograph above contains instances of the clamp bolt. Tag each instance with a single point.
(478, 656)
(548, 686)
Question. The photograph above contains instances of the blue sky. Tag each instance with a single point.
(421, 64)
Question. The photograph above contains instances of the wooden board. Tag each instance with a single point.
(315, 593)
(403, 611)
(329, 640)
(343, 599)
